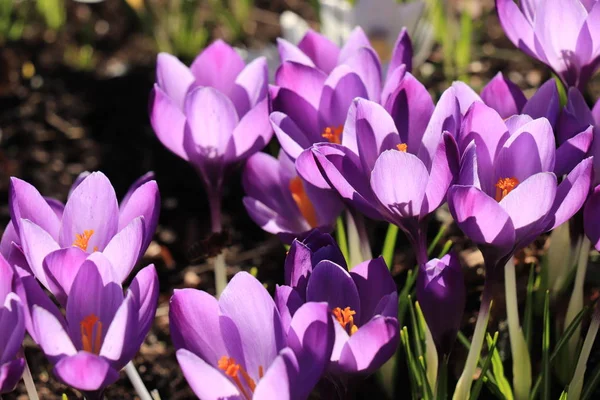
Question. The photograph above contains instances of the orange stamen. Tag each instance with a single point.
(504, 186)
(345, 318)
(402, 147)
(87, 334)
(82, 240)
(333, 134)
(303, 202)
(234, 370)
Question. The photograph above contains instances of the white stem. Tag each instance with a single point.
(576, 302)
(431, 356)
(521, 362)
(220, 273)
(559, 258)
(576, 384)
(29, 385)
(358, 244)
(136, 381)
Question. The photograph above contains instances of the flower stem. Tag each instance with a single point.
(136, 381)
(214, 199)
(463, 387)
(521, 362)
(577, 382)
(29, 384)
(358, 241)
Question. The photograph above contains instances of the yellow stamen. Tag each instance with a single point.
(333, 134)
(504, 186)
(234, 370)
(90, 342)
(345, 318)
(82, 240)
(303, 202)
(402, 147)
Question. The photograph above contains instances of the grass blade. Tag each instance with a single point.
(436, 239)
(389, 245)
(529, 304)
(340, 234)
(485, 367)
(546, 349)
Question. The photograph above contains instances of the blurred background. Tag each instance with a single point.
(74, 84)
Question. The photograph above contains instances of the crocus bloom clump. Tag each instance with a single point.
(441, 293)
(237, 347)
(12, 329)
(363, 302)
(507, 192)
(91, 221)
(573, 51)
(399, 176)
(101, 329)
(283, 203)
(214, 113)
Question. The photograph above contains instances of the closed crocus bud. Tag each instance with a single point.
(441, 294)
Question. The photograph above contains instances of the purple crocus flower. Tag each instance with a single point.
(101, 329)
(507, 191)
(507, 99)
(317, 82)
(283, 203)
(91, 221)
(12, 329)
(363, 302)
(442, 296)
(213, 114)
(237, 348)
(399, 176)
(573, 51)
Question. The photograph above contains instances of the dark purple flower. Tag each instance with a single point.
(363, 302)
(236, 347)
(573, 51)
(283, 203)
(441, 294)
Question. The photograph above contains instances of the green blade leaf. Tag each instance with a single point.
(529, 303)
(546, 349)
(486, 366)
(342, 240)
(389, 245)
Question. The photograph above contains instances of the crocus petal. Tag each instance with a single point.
(365, 63)
(253, 132)
(85, 371)
(139, 182)
(287, 301)
(591, 213)
(304, 80)
(277, 384)
(211, 119)
(92, 207)
(373, 281)
(596, 109)
(217, 66)
(322, 51)
(333, 284)
(544, 103)
(399, 180)
(6, 278)
(444, 169)
(289, 52)
(292, 138)
(13, 319)
(145, 202)
(341, 87)
(465, 95)
(25, 202)
(518, 29)
(194, 324)
(402, 53)
(10, 374)
(355, 41)
(260, 330)
(576, 116)
(144, 288)
(120, 342)
(308, 169)
(251, 86)
(571, 152)
(9, 236)
(503, 96)
(37, 244)
(61, 268)
(51, 335)
(168, 121)
(173, 77)
(125, 247)
(371, 346)
(480, 217)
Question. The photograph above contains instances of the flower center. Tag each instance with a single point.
(91, 339)
(303, 202)
(345, 318)
(504, 186)
(82, 240)
(333, 134)
(402, 147)
(240, 377)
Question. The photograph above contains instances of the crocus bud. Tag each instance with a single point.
(441, 294)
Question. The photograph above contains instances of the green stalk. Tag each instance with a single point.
(546, 377)
(574, 392)
(389, 245)
(340, 234)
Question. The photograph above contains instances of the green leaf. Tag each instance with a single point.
(590, 386)
(546, 349)
(436, 239)
(486, 366)
(563, 395)
(529, 304)
(445, 249)
(501, 381)
(64, 397)
(389, 245)
(340, 234)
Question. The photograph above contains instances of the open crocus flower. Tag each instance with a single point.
(507, 99)
(214, 113)
(91, 221)
(237, 348)
(573, 51)
(101, 330)
(12, 329)
(507, 192)
(283, 203)
(317, 82)
(441, 293)
(397, 175)
(363, 302)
